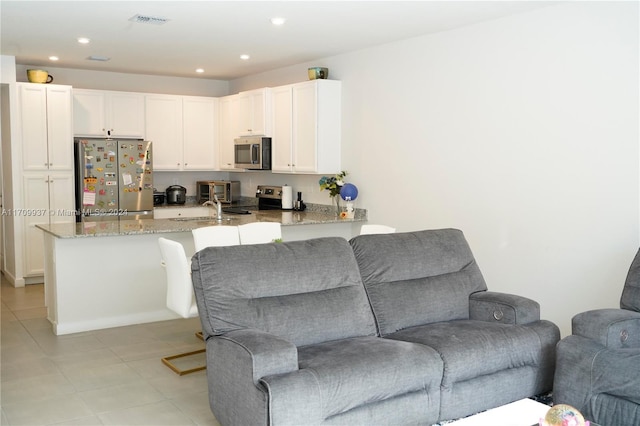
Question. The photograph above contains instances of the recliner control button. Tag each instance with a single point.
(624, 335)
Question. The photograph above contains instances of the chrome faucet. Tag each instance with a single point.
(218, 205)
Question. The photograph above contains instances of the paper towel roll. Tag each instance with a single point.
(287, 198)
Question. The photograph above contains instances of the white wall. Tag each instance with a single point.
(522, 132)
(7, 69)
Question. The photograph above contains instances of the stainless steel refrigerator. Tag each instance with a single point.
(114, 179)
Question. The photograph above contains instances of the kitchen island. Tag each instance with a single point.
(107, 273)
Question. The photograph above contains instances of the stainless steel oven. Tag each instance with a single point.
(227, 191)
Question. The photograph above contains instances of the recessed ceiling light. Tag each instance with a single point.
(199, 70)
(83, 40)
(244, 57)
(278, 21)
(53, 58)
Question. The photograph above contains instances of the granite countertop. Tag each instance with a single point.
(158, 226)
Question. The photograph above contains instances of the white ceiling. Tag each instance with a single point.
(213, 34)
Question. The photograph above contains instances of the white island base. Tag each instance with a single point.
(97, 282)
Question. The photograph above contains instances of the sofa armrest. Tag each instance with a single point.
(267, 353)
(292, 395)
(585, 369)
(294, 398)
(572, 382)
(613, 328)
(236, 362)
(504, 308)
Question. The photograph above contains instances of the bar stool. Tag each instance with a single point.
(259, 232)
(215, 236)
(180, 297)
(376, 229)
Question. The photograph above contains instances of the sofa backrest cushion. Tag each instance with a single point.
(417, 278)
(304, 291)
(631, 293)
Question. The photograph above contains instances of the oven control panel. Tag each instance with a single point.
(265, 191)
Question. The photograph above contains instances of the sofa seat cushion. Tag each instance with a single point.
(358, 371)
(471, 348)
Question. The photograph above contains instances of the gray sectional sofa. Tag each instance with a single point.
(598, 369)
(392, 329)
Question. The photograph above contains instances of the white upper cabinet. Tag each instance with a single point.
(100, 113)
(163, 120)
(199, 133)
(282, 129)
(183, 130)
(251, 113)
(45, 124)
(307, 127)
(226, 134)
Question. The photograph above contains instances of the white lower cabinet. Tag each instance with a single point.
(178, 212)
(307, 127)
(49, 198)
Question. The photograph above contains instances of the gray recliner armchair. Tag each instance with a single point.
(598, 366)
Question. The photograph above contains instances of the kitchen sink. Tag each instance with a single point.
(202, 218)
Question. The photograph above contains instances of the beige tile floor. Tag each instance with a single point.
(104, 377)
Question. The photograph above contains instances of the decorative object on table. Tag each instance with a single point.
(39, 76)
(334, 184)
(349, 193)
(318, 73)
(563, 415)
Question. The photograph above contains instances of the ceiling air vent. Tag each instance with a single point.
(144, 19)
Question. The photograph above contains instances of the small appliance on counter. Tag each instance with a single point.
(176, 194)
(269, 197)
(158, 197)
(299, 205)
(227, 191)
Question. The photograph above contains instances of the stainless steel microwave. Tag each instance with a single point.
(227, 191)
(253, 153)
